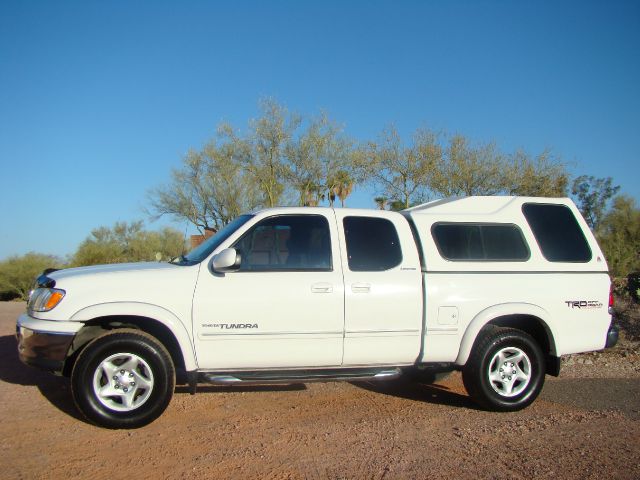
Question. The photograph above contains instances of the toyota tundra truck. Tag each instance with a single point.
(497, 287)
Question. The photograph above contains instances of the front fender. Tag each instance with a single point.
(155, 312)
(496, 311)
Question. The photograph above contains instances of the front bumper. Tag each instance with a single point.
(44, 343)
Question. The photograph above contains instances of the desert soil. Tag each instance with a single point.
(585, 424)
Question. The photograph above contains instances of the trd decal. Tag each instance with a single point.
(228, 326)
(583, 304)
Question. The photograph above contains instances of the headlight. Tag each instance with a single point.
(45, 299)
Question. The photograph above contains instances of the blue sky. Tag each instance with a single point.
(99, 100)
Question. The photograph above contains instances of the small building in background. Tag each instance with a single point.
(198, 239)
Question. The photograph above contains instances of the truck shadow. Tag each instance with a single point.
(437, 394)
(55, 389)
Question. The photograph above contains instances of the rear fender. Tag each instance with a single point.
(487, 315)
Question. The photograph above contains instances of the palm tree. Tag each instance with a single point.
(341, 186)
(313, 196)
(381, 202)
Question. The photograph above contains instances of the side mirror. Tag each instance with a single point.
(228, 259)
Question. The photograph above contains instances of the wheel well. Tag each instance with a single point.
(96, 327)
(539, 330)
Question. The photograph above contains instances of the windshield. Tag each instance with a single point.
(203, 250)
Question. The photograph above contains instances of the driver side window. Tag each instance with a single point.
(286, 243)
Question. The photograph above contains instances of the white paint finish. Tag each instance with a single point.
(315, 319)
(389, 302)
(496, 210)
(298, 316)
(160, 291)
(279, 304)
(48, 326)
(483, 291)
(254, 352)
(155, 312)
(482, 297)
(448, 316)
(164, 285)
(392, 348)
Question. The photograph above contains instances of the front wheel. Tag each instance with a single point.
(505, 370)
(123, 379)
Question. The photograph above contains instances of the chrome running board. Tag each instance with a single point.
(259, 377)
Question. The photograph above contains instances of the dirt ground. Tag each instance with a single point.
(586, 424)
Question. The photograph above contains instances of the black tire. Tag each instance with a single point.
(495, 382)
(147, 376)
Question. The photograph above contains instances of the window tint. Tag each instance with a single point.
(372, 244)
(480, 242)
(287, 242)
(557, 232)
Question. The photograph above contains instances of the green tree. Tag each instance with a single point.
(317, 158)
(265, 161)
(592, 197)
(212, 187)
(18, 273)
(381, 202)
(340, 186)
(540, 176)
(619, 236)
(128, 242)
(400, 173)
(467, 169)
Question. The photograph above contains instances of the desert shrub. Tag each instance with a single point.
(18, 273)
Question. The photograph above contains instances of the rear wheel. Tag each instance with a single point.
(505, 370)
(123, 379)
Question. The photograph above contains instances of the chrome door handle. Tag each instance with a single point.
(361, 287)
(322, 288)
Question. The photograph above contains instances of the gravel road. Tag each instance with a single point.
(586, 424)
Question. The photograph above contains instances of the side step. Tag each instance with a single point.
(262, 377)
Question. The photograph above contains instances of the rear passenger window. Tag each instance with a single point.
(480, 242)
(557, 232)
(372, 244)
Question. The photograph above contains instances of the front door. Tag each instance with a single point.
(284, 306)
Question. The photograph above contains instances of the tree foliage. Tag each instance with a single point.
(319, 163)
(211, 187)
(18, 273)
(437, 165)
(592, 197)
(541, 176)
(466, 169)
(288, 158)
(619, 236)
(401, 173)
(128, 242)
(265, 159)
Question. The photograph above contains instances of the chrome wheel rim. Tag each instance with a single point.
(123, 382)
(509, 372)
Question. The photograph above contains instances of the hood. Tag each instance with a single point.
(111, 268)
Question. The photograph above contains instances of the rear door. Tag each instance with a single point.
(383, 289)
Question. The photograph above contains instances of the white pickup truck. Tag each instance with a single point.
(498, 287)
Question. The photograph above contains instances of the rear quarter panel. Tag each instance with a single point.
(462, 296)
